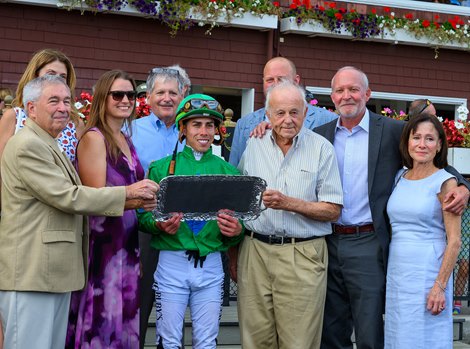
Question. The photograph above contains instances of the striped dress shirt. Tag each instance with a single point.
(308, 171)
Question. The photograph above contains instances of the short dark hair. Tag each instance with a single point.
(440, 160)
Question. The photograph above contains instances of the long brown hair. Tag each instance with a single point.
(38, 61)
(98, 110)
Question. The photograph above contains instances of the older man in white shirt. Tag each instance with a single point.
(283, 259)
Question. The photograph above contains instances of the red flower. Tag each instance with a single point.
(321, 8)
(338, 16)
(426, 23)
(374, 11)
(332, 5)
(436, 17)
(437, 25)
(142, 108)
(352, 10)
(307, 4)
(342, 10)
(276, 4)
(387, 9)
(409, 16)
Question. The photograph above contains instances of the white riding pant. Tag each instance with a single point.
(179, 284)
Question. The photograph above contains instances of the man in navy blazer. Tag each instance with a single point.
(275, 70)
(366, 146)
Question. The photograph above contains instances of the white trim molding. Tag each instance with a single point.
(247, 20)
(400, 36)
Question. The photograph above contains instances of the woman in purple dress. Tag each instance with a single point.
(105, 314)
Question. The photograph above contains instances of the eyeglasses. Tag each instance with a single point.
(169, 71)
(119, 95)
(426, 104)
(199, 104)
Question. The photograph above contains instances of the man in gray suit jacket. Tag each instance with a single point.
(276, 70)
(43, 233)
(366, 146)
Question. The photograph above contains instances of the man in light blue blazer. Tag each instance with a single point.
(276, 70)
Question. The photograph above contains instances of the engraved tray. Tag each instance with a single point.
(202, 197)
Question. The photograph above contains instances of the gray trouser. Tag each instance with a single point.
(355, 294)
(34, 319)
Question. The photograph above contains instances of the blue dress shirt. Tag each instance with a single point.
(153, 140)
(352, 151)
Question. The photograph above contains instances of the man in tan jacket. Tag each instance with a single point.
(43, 230)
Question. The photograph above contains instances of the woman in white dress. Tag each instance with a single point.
(425, 242)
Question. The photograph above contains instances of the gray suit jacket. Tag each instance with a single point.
(43, 235)
(383, 163)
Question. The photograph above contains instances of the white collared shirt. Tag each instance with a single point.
(308, 171)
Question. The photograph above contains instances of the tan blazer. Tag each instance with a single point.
(43, 233)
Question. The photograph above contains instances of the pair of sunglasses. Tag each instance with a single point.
(169, 71)
(119, 95)
(200, 103)
(426, 104)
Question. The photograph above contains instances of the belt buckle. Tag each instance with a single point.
(273, 238)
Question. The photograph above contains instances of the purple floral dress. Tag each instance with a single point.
(105, 314)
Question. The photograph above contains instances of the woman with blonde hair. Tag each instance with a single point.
(46, 61)
(106, 313)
